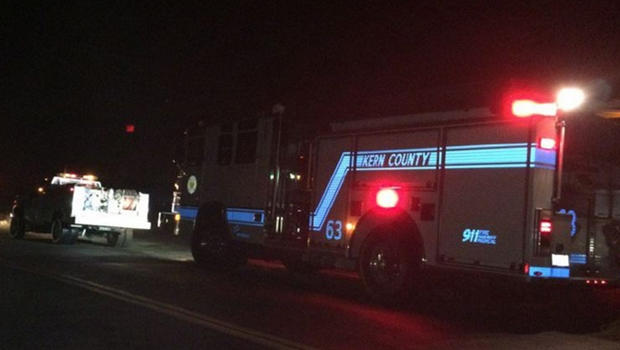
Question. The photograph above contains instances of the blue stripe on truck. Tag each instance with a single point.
(549, 272)
(484, 156)
(188, 213)
(251, 217)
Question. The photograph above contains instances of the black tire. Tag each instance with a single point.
(59, 234)
(612, 238)
(18, 227)
(120, 239)
(70, 234)
(212, 248)
(387, 266)
(112, 238)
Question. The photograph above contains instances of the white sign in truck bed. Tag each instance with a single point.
(110, 208)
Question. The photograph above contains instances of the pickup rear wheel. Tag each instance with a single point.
(120, 239)
(387, 266)
(57, 231)
(112, 238)
(18, 227)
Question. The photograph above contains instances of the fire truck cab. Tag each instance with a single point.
(467, 190)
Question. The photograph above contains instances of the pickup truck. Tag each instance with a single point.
(72, 207)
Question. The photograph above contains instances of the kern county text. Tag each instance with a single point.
(393, 160)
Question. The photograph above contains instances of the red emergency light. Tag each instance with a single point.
(545, 226)
(529, 108)
(387, 198)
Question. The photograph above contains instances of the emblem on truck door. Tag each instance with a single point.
(478, 236)
(192, 184)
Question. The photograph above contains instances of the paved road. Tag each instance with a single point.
(152, 295)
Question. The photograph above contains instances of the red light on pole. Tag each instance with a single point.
(130, 128)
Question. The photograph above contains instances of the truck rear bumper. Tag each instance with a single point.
(574, 275)
(113, 221)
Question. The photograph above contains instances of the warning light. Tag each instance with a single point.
(350, 226)
(546, 143)
(177, 217)
(545, 226)
(387, 198)
(528, 108)
(130, 128)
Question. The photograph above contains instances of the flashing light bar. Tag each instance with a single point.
(88, 177)
(529, 108)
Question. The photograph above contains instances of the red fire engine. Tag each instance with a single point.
(387, 197)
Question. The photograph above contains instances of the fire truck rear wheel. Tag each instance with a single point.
(612, 238)
(387, 266)
(18, 227)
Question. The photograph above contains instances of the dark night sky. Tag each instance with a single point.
(74, 73)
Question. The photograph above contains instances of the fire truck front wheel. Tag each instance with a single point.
(213, 252)
(211, 247)
(387, 266)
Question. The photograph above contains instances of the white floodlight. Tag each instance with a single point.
(570, 98)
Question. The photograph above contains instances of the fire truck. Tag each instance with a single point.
(391, 197)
